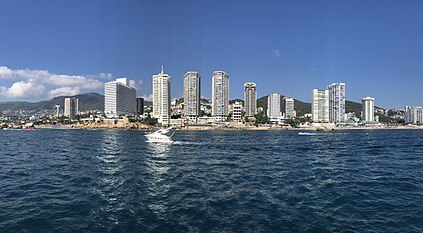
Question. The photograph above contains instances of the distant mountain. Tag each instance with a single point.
(88, 101)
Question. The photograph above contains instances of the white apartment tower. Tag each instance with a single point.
(413, 115)
(220, 95)
(368, 109)
(119, 98)
(336, 102)
(288, 107)
(161, 97)
(192, 95)
(320, 106)
(71, 107)
(250, 98)
(274, 105)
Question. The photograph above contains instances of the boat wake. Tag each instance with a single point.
(186, 143)
(307, 134)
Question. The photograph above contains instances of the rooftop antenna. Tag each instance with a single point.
(162, 70)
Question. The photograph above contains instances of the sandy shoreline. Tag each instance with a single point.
(138, 126)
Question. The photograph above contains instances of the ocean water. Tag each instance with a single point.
(211, 181)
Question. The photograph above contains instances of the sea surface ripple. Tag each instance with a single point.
(211, 181)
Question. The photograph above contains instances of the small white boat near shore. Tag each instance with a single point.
(161, 135)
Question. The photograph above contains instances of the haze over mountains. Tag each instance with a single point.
(90, 101)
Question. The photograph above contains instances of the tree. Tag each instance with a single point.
(261, 119)
(150, 120)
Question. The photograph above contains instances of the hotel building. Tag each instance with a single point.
(320, 106)
(274, 105)
(71, 107)
(288, 107)
(250, 99)
(119, 98)
(161, 98)
(192, 95)
(368, 109)
(220, 95)
(336, 102)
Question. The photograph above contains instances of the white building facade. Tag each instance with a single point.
(250, 99)
(336, 102)
(71, 107)
(320, 106)
(413, 115)
(192, 95)
(119, 98)
(274, 105)
(161, 98)
(288, 108)
(368, 110)
(237, 111)
(220, 95)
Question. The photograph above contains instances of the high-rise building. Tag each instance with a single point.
(274, 105)
(140, 106)
(119, 98)
(320, 106)
(71, 107)
(161, 97)
(220, 95)
(192, 95)
(413, 115)
(250, 98)
(336, 102)
(288, 107)
(368, 109)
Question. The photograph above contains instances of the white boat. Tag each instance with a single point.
(161, 135)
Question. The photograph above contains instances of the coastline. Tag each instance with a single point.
(140, 126)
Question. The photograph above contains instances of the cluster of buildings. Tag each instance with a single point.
(328, 106)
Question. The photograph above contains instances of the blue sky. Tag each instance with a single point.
(48, 48)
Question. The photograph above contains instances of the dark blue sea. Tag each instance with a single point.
(211, 181)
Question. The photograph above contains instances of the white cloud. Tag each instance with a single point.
(133, 83)
(64, 91)
(148, 97)
(276, 52)
(47, 78)
(107, 76)
(22, 89)
(71, 80)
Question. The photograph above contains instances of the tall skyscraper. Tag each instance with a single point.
(220, 95)
(119, 98)
(71, 107)
(288, 107)
(140, 106)
(368, 109)
(413, 115)
(274, 105)
(161, 98)
(336, 102)
(250, 98)
(192, 95)
(320, 106)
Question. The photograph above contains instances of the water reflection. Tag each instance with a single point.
(158, 164)
(110, 178)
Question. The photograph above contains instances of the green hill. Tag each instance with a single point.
(88, 101)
